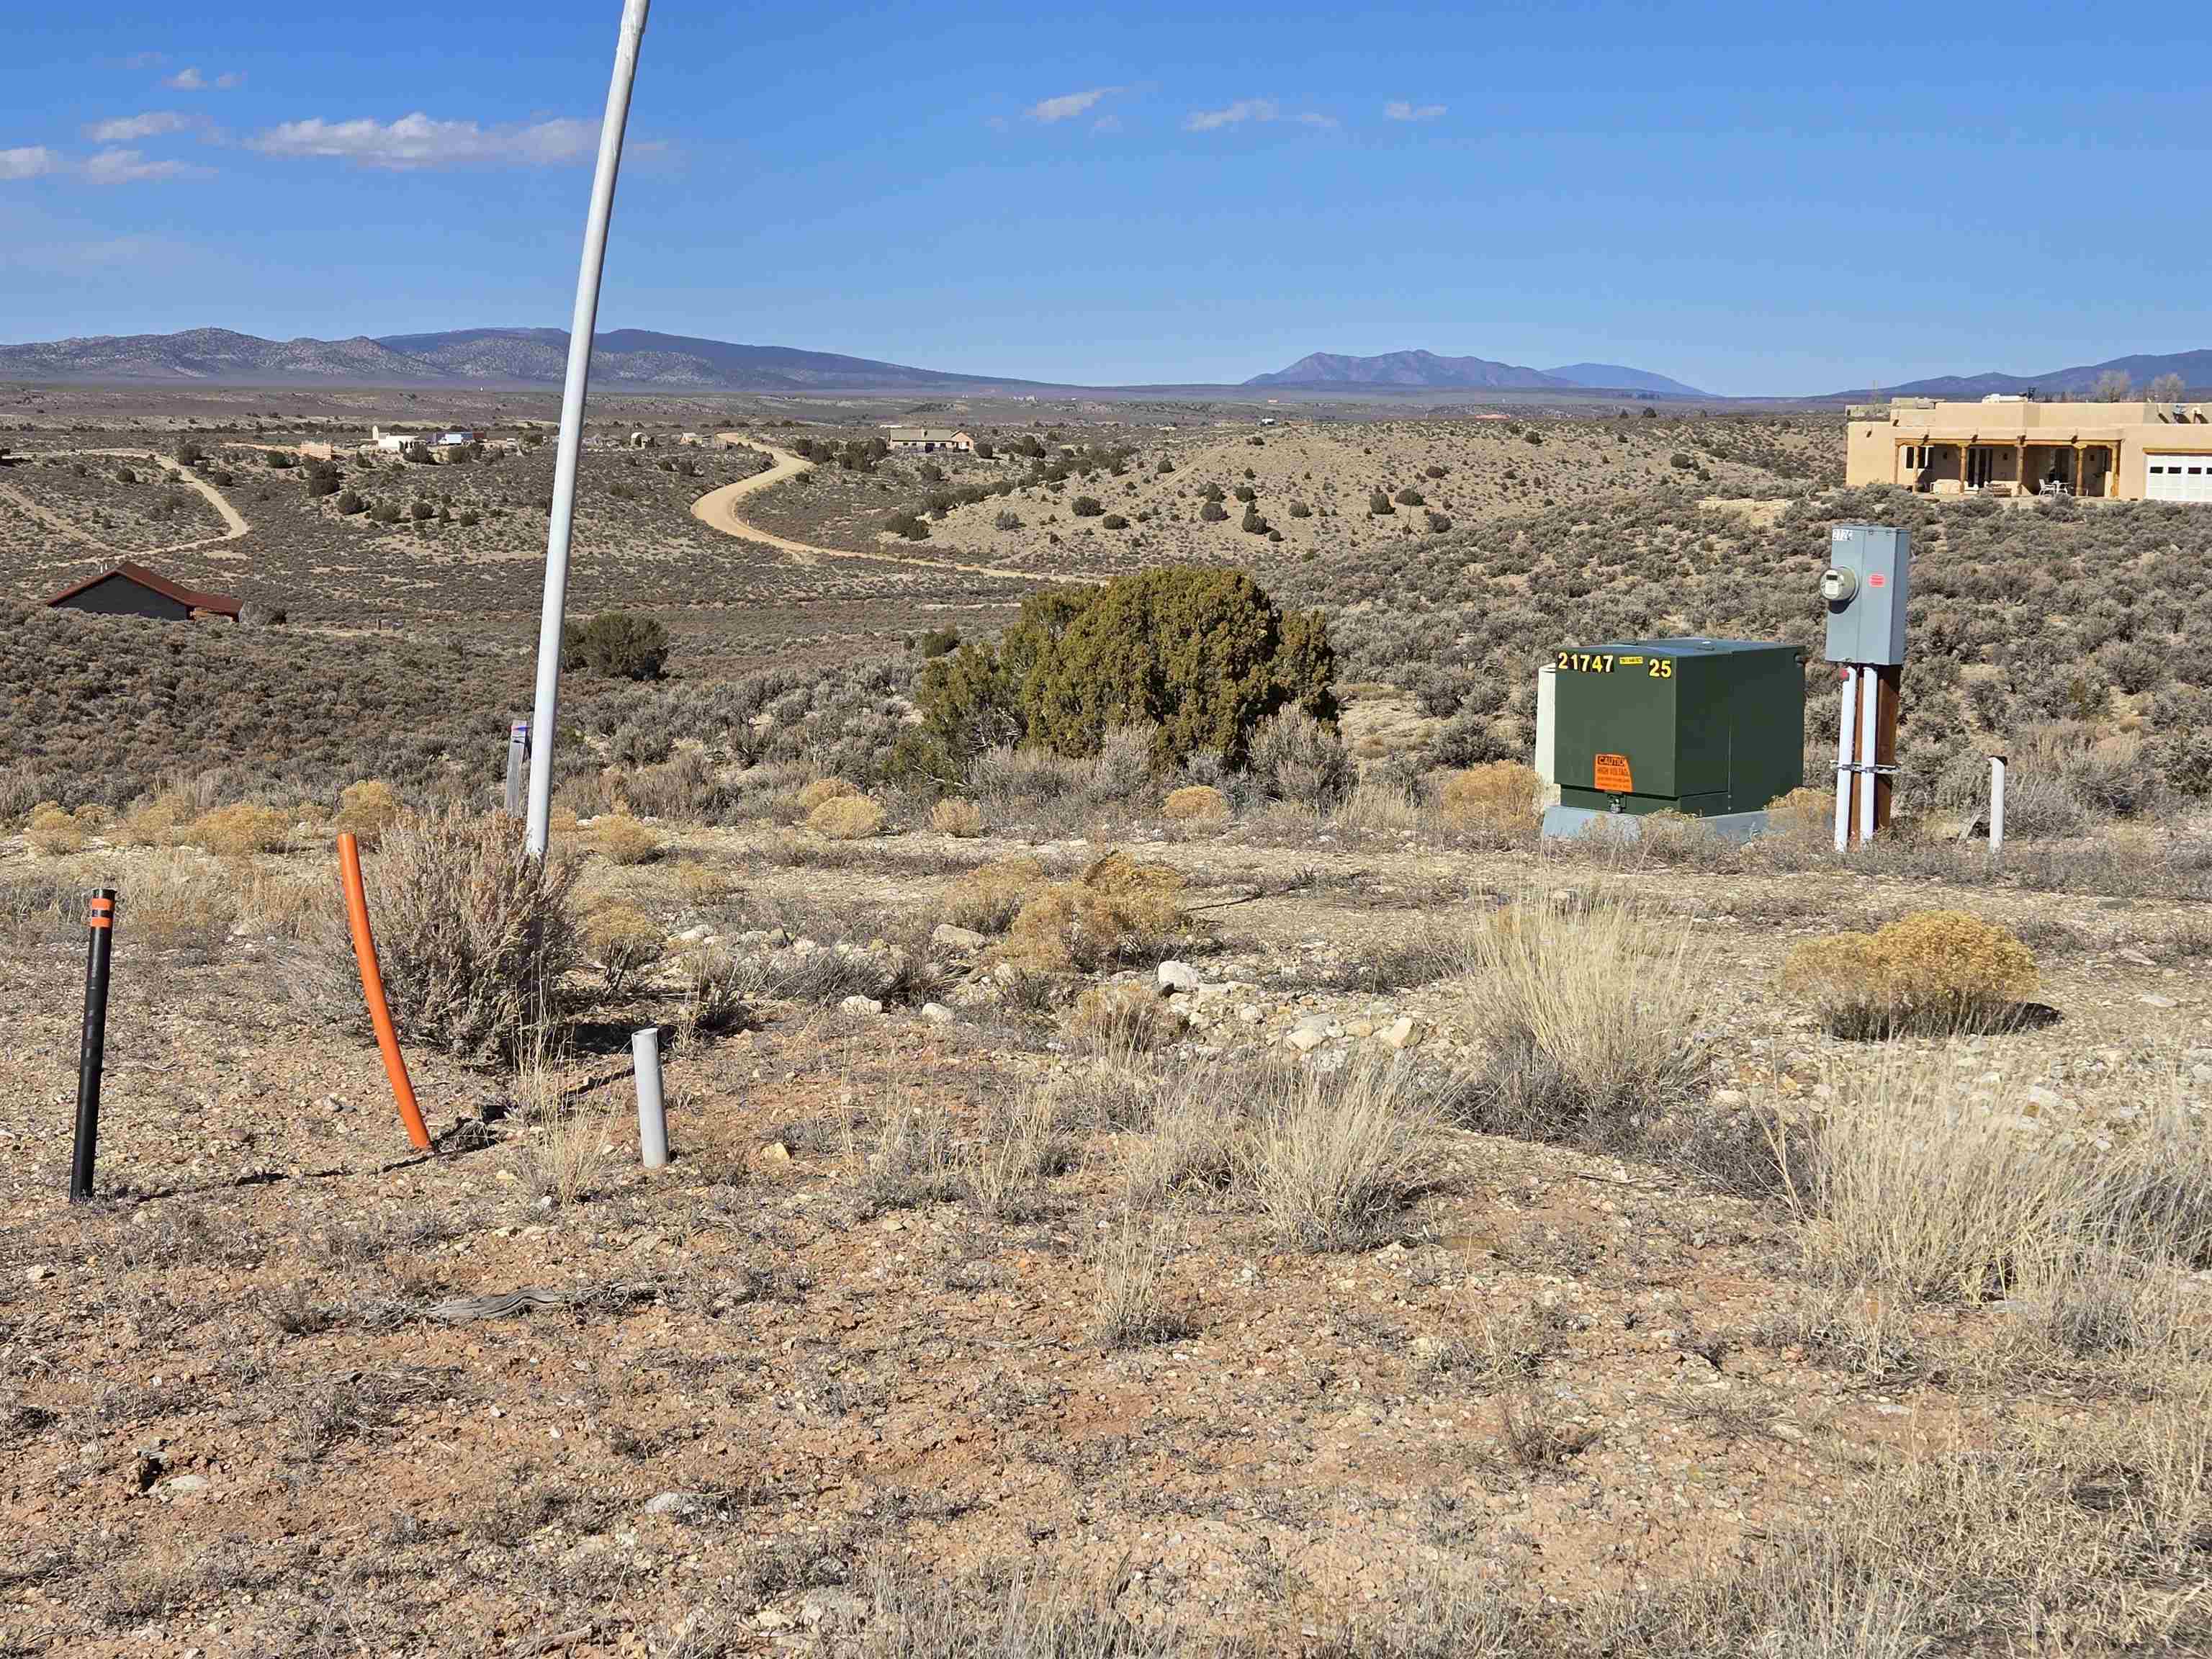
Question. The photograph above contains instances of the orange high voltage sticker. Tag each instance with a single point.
(1612, 775)
(103, 913)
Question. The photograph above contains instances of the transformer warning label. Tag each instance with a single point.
(1612, 775)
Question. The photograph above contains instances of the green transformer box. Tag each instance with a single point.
(1713, 728)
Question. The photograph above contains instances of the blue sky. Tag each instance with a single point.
(1752, 197)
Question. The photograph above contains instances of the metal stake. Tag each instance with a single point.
(581, 327)
(93, 1053)
(518, 764)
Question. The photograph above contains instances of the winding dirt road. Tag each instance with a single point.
(234, 525)
(718, 510)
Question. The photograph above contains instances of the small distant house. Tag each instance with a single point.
(132, 590)
(459, 438)
(928, 439)
(318, 452)
(396, 443)
(641, 440)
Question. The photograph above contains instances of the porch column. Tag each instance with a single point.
(2020, 466)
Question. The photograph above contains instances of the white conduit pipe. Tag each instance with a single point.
(1869, 694)
(652, 1118)
(1846, 724)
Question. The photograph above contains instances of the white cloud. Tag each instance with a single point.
(130, 167)
(1314, 117)
(1244, 109)
(189, 79)
(27, 161)
(1399, 110)
(1067, 104)
(130, 129)
(417, 141)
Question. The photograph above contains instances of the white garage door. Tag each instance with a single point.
(2178, 477)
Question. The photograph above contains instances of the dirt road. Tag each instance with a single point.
(718, 510)
(234, 525)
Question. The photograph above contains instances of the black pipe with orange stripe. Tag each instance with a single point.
(93, 1054)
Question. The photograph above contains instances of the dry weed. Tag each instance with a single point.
(846, 817)
(986, 899)
(1128, 1014)
(171, 903)
(241, 829)
(1128, 1303)
(365, 808)
(1588, 1014)
(1496, 798)
(567, 1140)
(1115, 912)
(1334, 1157)
(821, 790)
(622, 839)
(53, 831)
(1195, 803)
(1021, 1143)
(1933, 973)
(625, 942)
(953, 816)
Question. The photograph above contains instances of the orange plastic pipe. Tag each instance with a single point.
(372, 989)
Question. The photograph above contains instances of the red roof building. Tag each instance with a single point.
(132, 590)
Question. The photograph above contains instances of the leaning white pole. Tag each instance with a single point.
(1997, 804)
(581, 327)
(1847, 725)
(1869, 705)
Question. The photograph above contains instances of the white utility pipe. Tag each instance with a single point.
(581, 327)
(1869, 697)
(1997, 804)
(652, 1118)
(1846, 726)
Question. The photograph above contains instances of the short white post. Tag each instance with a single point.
(1997, 804)
(1869, 697)
(1847, 725)
(652, 1118)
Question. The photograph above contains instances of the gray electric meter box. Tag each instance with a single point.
(1865, 583)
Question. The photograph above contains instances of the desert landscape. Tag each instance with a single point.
(1219, 1185)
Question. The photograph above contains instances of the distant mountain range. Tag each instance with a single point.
(627, 357)
(2195, 368)
(1425, 369)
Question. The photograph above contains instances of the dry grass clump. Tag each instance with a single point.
(718, 988)
(1805, 816)
(157, 821)
(1195, 803)
(474, 935)
(1335, 1156)
(908, 1162)
(565, 1141)
(1588, 1013)
(1197, 1139)
(54, 831)
(1908, 1180)
(1021, 1145)
(1117, 911)
(37, 907)
(1496, 798)
(241, 829)
(1933, 973)
(957, 818)
(1129, 1304)
(625, 942)
(987, 899)
(846, 817)
(622, 839)
(364, 808)
(1126, 1015)
(175, 905)
(821, 789)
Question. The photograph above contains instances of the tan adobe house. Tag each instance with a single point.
(2009, 445)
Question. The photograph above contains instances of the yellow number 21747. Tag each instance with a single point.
(1586, 662)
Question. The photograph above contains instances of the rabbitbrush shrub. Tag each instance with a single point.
(1117, 911)
(1496, 797)
(953, 816)
(988, 898)
(473, 935)
(846, 817)
(1933, 973)
(1195, 803)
